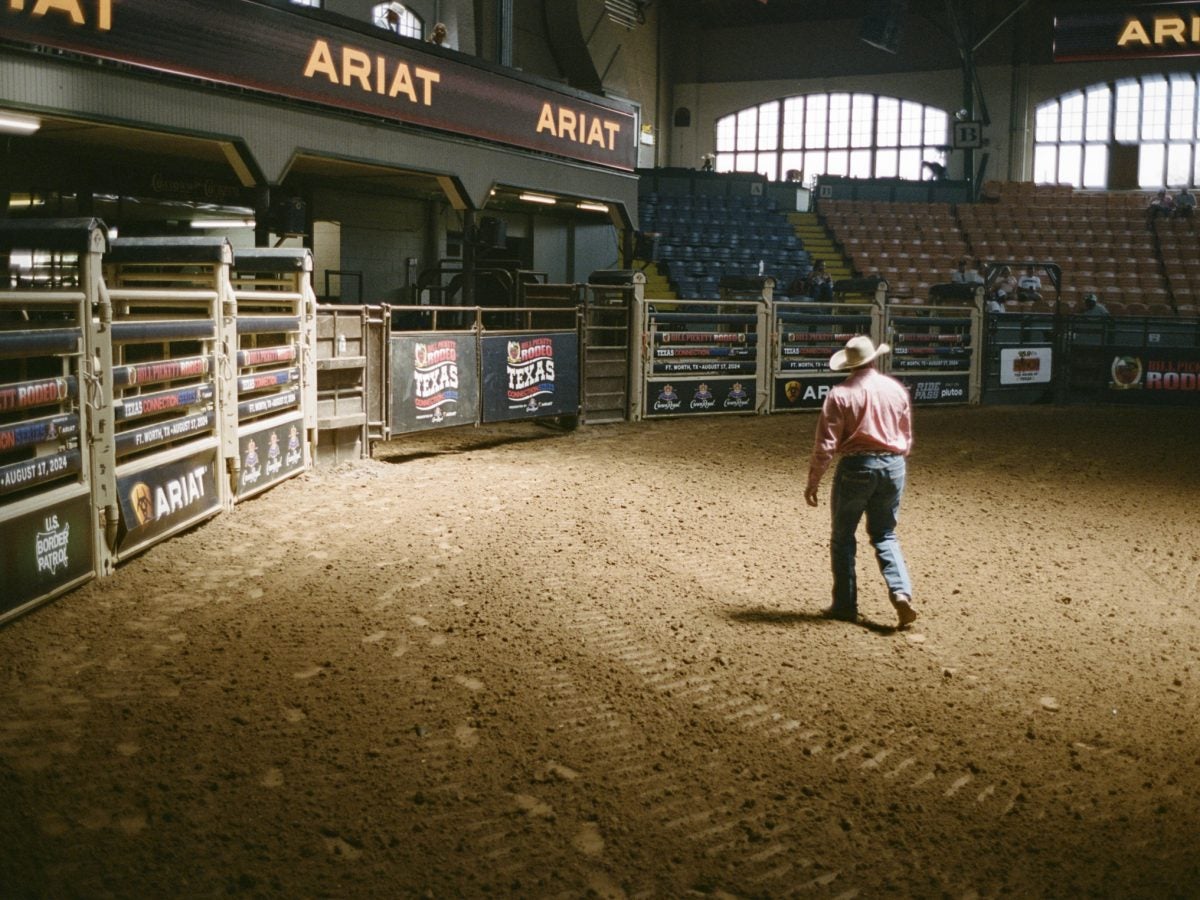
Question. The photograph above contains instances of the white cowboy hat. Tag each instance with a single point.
(857, 353)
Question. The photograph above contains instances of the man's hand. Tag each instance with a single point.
(810, 496)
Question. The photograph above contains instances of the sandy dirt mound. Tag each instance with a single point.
(516, 662)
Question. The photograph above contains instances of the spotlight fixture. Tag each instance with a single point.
(222, 223)
(14, 123)
(592, 207)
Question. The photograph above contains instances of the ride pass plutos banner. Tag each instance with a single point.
(289, 54)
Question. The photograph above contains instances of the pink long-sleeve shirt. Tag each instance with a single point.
(869, 412)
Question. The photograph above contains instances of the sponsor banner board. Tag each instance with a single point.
(158, 500)
(746, 368)
(1135, 31)
(44, 551)
(435, 381)
(1166, 376)
(162, 432)
(270, 454)
(257, 406)
(1025, 365)
(39, 470)
(803, 393)
(933, 388)
(32, 394)
(285, 53)
(34, 431)
(927, 362)
(163, 401)
(528, 376)
(715, 395)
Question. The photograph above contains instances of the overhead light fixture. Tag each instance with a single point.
(24, 201)
(14, 123)
(537, 198)
(222, 223)
(592, 207)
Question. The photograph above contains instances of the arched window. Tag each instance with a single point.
(1073, 134)
(860, 135)
(396, 17)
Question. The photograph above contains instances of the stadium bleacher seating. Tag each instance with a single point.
(704, 238)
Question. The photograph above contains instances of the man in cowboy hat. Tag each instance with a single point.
(867, 420)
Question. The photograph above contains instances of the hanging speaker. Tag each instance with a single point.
(881, 25)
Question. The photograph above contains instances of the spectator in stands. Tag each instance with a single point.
(967, 275)
(820, 283)
(798, 286)
(1093, 307)
(438, 35)
(1004, 289)
(1185, 203)
(1029, 286)
(1162, 205)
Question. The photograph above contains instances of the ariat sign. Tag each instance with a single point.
(290, 54)
(1138, 32)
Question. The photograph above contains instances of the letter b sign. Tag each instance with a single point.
(968, 135)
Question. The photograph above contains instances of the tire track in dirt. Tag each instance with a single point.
(908, 760)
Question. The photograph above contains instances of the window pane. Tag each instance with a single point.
(862, 120)
(793, 122)
(814, 163)
(807, 127)
(1045, 128)
(1071, 118)
(887, 163)
(911, 123)
(768, 126)
(937, 127)
(1183, 109)
(888, 119)
(839, 120)
(726, 132)
(747, 127)
(1070, 164)
(793, 160)
(815, 116)
(1150, 165)
(1099, 101)
(768, 166)
(1179, 165)
(1045, 163)
(394, 17)
(1095, 166)
(1154, 110)
(1129, 95)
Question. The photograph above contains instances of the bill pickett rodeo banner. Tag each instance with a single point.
(1134, 32)
(250, 45)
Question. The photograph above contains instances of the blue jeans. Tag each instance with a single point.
(871, 485)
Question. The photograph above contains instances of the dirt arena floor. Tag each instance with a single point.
(515, 662)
